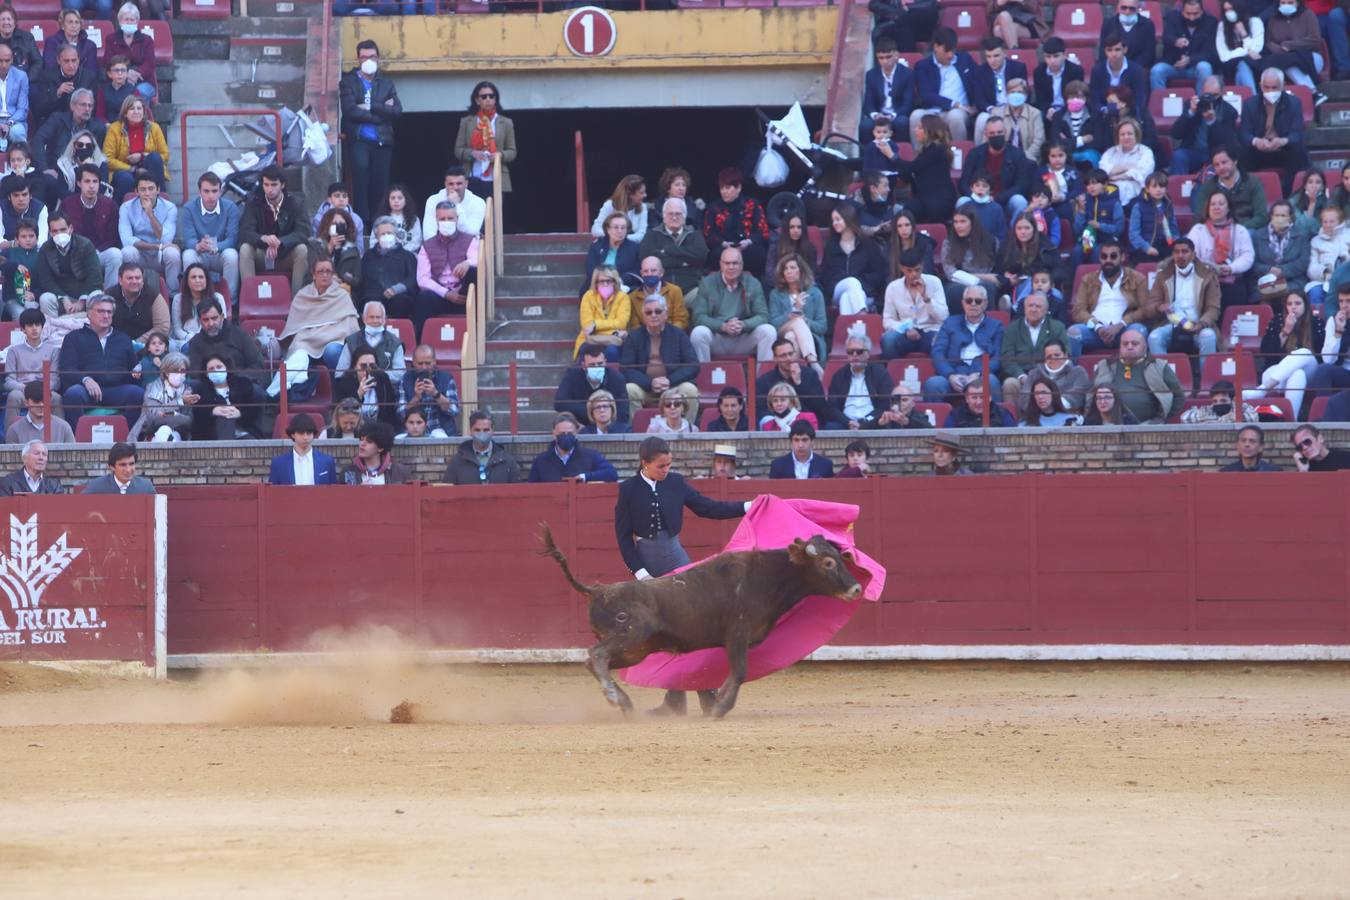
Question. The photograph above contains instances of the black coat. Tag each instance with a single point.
(50, 141)
(348, 388)
(244, 395)
(677, 352)
(625, 260)
(1223, 132)
(43, 100)
(15, 483)
(382, 114)
(574, 390)
(1015, 172)
(865, 263)
(381, 270)
(1044, 85)
(811, 393)
(879, 386)
(930, 178)
(634, 513)
(1203, 39)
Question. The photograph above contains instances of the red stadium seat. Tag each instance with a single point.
(1235, 96)
(1237, 368)
(1152, 10)
(1181, 363)
(1167, 106)
(1026, 56)
(832, 366)
(1263, 314)
(816, 235)
(321, 404)
(1282, 403)
(1318, 410)
(937, 413)
(265, 295)
(159, 32)
(1089, 360)
(251, 324)
(911, 370)
(715, 375)
(7, 330)
(707, 417)
(37, 9)
(1083, 271)
(999, 315)
(84, 429)
(970, 23)
(406, 334)
(959, 151)
(99, 30)
(1270, 181)
(872, 324)
(445, 334)
(1078, 23)
(642, 418)
(204, 9)
(938, 232)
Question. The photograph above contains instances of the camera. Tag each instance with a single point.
(1207, 103)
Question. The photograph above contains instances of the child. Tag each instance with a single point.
(17, 267)
(857, 453)
(1062, 180)
(113, 88)
(1153, 222)
(1042, 281)
(147, 370)
(877, 211)
(991, 215)
(881, 153)
(415, 426)
(1098, 216)
(1329, 248)
(1045, 217)
(339, 197)
(19, 161)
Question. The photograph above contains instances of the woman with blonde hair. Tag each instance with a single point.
(785, 407)
(135, 145)
(672, 420)
(605, 313)
(604, 415)
(82, 148)
(629, 198)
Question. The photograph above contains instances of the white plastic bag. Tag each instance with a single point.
(317, 150)
(771, 170)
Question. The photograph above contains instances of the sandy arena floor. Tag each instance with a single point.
(972, 780)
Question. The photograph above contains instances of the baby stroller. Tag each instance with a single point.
(824, 165)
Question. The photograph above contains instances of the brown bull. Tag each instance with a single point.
(730, 601)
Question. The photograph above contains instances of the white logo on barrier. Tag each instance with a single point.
(24, 578)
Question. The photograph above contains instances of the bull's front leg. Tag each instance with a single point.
(598, 661)
(737, 649)
(675, 704)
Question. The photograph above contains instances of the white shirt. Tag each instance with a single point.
(304, 467)
(972, 351)
(1185, 289)
(888, 106)
(121, 488)
(471, 211)
(950, 83)
(33, 483)
(858, 404)
(801, 470)
(1035, 331)
(1056, 93)
(4, 95)
(1111, 302)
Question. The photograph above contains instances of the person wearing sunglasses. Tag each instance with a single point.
(1107, 302)
(1311, 453)
(483, 134)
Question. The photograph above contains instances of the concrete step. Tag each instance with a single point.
(539, 286)
(544, 243)
(1334, 113)
(1335, 90)
(534, 330)
(299, 10)
(534, 414)
(545, 263)
(265, 49)
(1328, 136)
(530, 309)
(556, 352)
(1328, 160)
(527, 375)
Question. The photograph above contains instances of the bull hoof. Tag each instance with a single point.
(706, 701)
(675, 704)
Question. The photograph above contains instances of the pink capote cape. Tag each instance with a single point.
(772, 523)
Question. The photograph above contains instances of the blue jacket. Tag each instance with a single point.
(818, 467)
(1288, 119)
(223, 225)
(548, 468)
(283, 469)
(83, 356)
(1203, 39)
(677, 352)
(954, 336)
(17, 99)
(1141, 41)
(874, 95)
(1105, 210)
(1145, 228)
(928, 84)
(625, 260)
(989, 82)
(574, 390)
(1135, 76)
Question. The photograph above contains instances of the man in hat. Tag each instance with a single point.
(724, 462)
(947, 455)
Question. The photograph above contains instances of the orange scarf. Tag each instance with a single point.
(484, 139)
(1223, 242)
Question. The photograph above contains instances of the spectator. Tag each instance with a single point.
(217, 336)
(1129, 161)
(907, 24)
(605, 313)
(470, 208)
(13, 98)
(1137, 34)
(629, 200)
(1024, 123)
(1272, 130)
(797, 309)
(679, 248)
(735, 221)
(94, 215)
(947, 454)
(1046, 408)
(16, 271)
(566, 460)
(614, 251)
(1147, 386)
(782, 408)
(1024, 251)
(31, 425)
(856, 454)
(1097, 219)
(1310, 199)
(1251, 445)
(961, 345)
(902, 412)
(59, 129)
(1220, 408)
(905, 235)
(147, 225)
(1245, 194)
(141, 309)
(96, 363)
(334, 241)
(273, 230)
(397, 207)
(1071, 379)
(135, 148)
(389, 272)
(320, 320)
(210, 230)
(371, 386)
(1015, 20)
(167, 407)
(1121, 66)
(31, 477)
(792, 238)
(19, 40)
(1184, 304)
(1293, 42)
(1005, 166)
(1240, 41)
(1106, 408)
(1327, 252)
(677, 184)
(20, 207)
(946, 84)
(658, 358)
(375, 336)
(1283, 249)
(415, 427)
(1024, 343)
(370, 109)
(654, 285)
(121, 477)
(1311, 453)
(24, 361)
(994, 74)
(432, 390)
(969, 255)
(801, 463)
(603, 413)
(1189, 44)
(446, 266)
(671, 420)
(1040, 282)
(980, 204)
(480, 459)
(71, 33)
(1052, 75)
(932, 195)
(915, 309)
(115, 86)
(1207, 123)
(68, 267)
(1289, 351)
(1225, 245)
(339, 198)
(724, 463)
(1152, 223)
(804, 380)
(483, 133)
(147, 369)
(874, 206)
(304, 465)
(130, 41)
(1078, 126)
(729, 314)
(589, 375)
(1106, 302)
(229, 406)
(860, 391)
(345, 421)
(853, 272)
(54, 87)
(888, 90)
(374, 463)
(730, 411)
(969, 413)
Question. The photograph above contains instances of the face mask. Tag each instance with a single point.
(998, 143)
(482, 438)
(1185, 271)
(595, 373)
(62, 240)
(605, 290)
(369, 67)
(1288, 9)
(566, 442)
(218, 377)
(1017, 99)
(978, 199)
(1129, 21)
(1231, 15)
(445, 228)
(374, 332)
(1075, 104)
(129, 29)
(83, 153)
(175, 379)
(1222, 409)
(651, 281)
(387, 241)
(1271, 96)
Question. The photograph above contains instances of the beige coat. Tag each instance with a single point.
(506, 145)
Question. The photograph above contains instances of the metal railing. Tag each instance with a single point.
(583, 198)
(188, 181)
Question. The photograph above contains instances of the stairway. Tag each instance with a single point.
(536, 325)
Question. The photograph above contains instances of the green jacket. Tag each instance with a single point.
(1246, 201)
(1020, 355)
(714, 303)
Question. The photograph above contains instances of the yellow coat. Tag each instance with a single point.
(607, 319)
(677, 312)
(117, 148)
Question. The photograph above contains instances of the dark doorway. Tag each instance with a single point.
(617, 142)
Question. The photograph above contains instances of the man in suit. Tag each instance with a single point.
(658, 357)
(303, 465)
(1189, 46)
(121, 477)
(1272, 130)
(994, 76)
(31, 477)
(1115, 68)
(13, 98)
(1024, 343)
(861, 391)
(801, 463)
(905, 22)
(804, 380)
(946, 84)
(1138, 32)
(1007, 167)
(1055, 71)
(888, 92)
(370, 107)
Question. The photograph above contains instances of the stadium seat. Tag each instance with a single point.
(938, 232)
(707, 417)
(999, 315)
(7, 331)
(1235, 96)
(38, 9)
(1318, 410)
(1305, 97)
(959, 151)
(445, 334)
(99, 30)
(1026, 56)
(1270, 181)
(163, 37)
(1089, 360)
(1237, 368)
(1181, 364)
(1263, 314)
(936, 412)
(204, 9)
(1083, 271)
(1167, 106)
(641, 418)
(970, 23)
(715, 375)
(1083, 56)
(816, 235)
(911, 370)
(872, 324)
(251, 324)
(84, 429)
(1078, 23)
(1285, 407)
(222, 287)
(831, 367)
(1152, 10)
(321, 404)
(265, 295)
(406, 334)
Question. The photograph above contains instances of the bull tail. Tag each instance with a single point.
(551, 549)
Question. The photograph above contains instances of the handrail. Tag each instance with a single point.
(583, 201)
(188, 181)
(470, 358)
(499, 264)
(486, 277)
(325, 63)
(836, 65)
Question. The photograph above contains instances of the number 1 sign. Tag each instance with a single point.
(589, 31)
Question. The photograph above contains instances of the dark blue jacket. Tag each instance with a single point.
(1015, 172)
(928, 84)
(1105, 210)
(283, 469)
(1043, 83)
(954, 336)
(626, 260)
(1145, 229)
(1202, 34)
(82, 356)
(1288, 119)
(575, 390)
(1192, 132)
(989, 82)
(1136, 77)
(548, 468)
(677, 352)
(1141, 41)
(874, 95)
(819, 467)
(634, 514)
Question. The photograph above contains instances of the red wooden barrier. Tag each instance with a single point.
(1190, 559)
